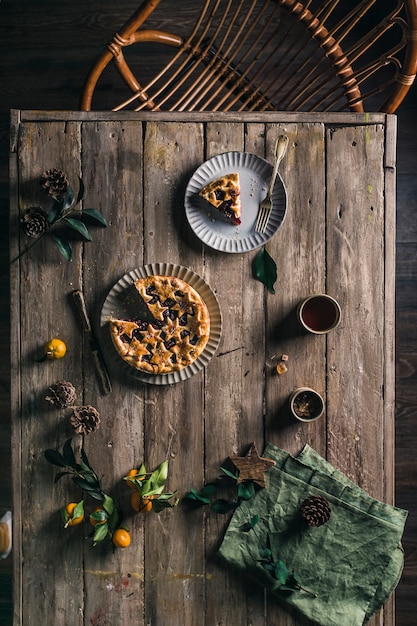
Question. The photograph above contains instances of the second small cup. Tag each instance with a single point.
(319, 314)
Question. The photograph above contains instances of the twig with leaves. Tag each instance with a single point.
(204, 497)
(107, 517)
(150, 488)
(36, 222)
(277, 568)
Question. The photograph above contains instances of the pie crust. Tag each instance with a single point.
(176, 332)
(224, 194)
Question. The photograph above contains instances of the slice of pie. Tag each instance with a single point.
(177, 334)
(224, 194)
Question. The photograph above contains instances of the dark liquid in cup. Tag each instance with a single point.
(319, 314)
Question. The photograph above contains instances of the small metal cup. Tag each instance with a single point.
(319, 314)
(306, 405)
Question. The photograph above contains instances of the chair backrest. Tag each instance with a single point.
(260, 55)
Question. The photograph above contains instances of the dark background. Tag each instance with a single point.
(46, 50)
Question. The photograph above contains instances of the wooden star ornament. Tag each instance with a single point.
(252, 466)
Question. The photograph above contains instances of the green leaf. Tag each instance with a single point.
(79, 509)
(108, 504)
(159, 476)
(208, 490)
(229, 474)
(195, 497)
(153, 492)
(95, 215)
(268, 566)
(91, 478)
(80, 194)
(55, 211)
(60, 475)
(159, 506)
(100, 532)
(86, 486)
(97, 495)
(254, 520)
(247, 526)
(99, 516)
(165, 496)
(246, 491)
(281, 571)
(85, 458)
(223, 506)
(55, 457)
(114, 519)
(77, 225)
(265, 269)
(265, 553)
(69, 454)
(63, 246)
(68, 199)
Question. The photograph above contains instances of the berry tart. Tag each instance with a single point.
(224, 194)
(176, 332)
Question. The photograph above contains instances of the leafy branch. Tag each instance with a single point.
(82, 474)
(206, 495)
(36, 223)
(277, 568)
(150, 486)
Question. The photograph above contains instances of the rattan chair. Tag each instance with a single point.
(261, 55)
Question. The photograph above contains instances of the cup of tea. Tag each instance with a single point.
(319, 314)
(306, 405)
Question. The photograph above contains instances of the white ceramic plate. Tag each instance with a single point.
(209, 225)
(113, 307)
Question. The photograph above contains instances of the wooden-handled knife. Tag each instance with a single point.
(99, 364)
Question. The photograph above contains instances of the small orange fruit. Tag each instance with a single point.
(146, 505)
(121, 538)
(135, 500)
(141, 504)
(73, 521)
(132, 473)
(55, 349)
(96, 522)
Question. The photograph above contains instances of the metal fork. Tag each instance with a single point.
(265, 207)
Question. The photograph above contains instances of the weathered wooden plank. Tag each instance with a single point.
(355, 242)
(209, 116)
(174, 418)
(44, 314)
(233, 416)
(113, 178)
(356, 233)
(299, 250)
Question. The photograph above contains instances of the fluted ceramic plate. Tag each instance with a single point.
(254, 174)
(114, 307)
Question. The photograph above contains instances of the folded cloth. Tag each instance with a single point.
(347, 567)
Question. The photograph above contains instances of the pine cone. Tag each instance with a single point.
(54, 182)
(61, 394)
(34, 221)
(85, 419)
(315, 510)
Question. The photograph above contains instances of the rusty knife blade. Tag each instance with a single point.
(98, 360)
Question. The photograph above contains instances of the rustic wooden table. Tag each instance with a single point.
(337, 237)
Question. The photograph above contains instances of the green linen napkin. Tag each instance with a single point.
(351, 564)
